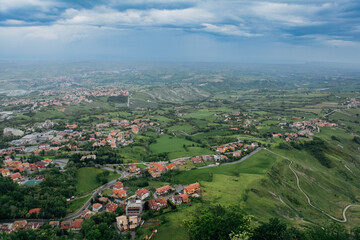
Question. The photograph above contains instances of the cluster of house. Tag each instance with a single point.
(351, 102)
(133, 168)
(9, 102)
(73, 226)
(290, 136)
(161, 202)
(236, 148)
(312, 123)
(121, 136)
(13, 169)
(65, 98)
(114, 138)
(79, 96)
(302, 128)
(158, 168)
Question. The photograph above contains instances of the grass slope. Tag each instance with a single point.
(87, 179)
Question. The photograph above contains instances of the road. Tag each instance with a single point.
(235, 162)
(125, 175)
(97, 191)
(61, 162)
(87, 204)
(336, 110)
(308, 198)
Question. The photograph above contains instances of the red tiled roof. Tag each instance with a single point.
(119, 192)
(163, 189)
(171, 165)
(184, 197)
(111, 206)
(77, 223)
(141, 192)
(37, 210)
(118, 185)
(191, 187)
(15, 176)
(96, 205)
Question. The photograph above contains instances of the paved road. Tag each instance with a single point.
(61, 162)
(125, 175)
(87, 204)
(308, 198)
(235, 162)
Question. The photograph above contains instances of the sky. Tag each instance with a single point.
(267, 31)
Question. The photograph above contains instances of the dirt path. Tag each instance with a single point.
(307, 197)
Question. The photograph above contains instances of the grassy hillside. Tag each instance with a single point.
(330, 189)
(265, 187)
(86, 179)
(175, 146)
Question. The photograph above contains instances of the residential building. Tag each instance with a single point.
(192, 188)
(33, 225)
(16, 176)
(76, 225)
(178, 199)
(54, 224)
(17, 225)
(164, 189)
(122, 223)
(134, 207)
(170, 166)
(96, 207)
(118, 186)
(133, 168)
(119, 193)
(142, 193)
(5, 172)
(134, 221)
(237, 153)
(111, 207)
(158, 203)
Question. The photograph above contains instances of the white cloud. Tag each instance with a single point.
(228, 30)
(287, 14)
(13, 22)
(48, 33)
(6, 5)
(134, 17)
(335, 41)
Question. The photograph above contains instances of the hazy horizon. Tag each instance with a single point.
(245, 31)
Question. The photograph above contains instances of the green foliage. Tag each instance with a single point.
(44, 233)
(50, 195)
(102, 177)
(356, 140)
(136, 182)
(317, 147)
(217, 222)
(118, 99)
(276, 230)
(100, 227)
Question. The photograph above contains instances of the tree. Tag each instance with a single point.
(217, 222)
(333, 231)
(276, 230)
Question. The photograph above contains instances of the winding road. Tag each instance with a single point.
(97, 191)
(307, 197)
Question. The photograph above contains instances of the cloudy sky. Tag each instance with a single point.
(181, 30)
